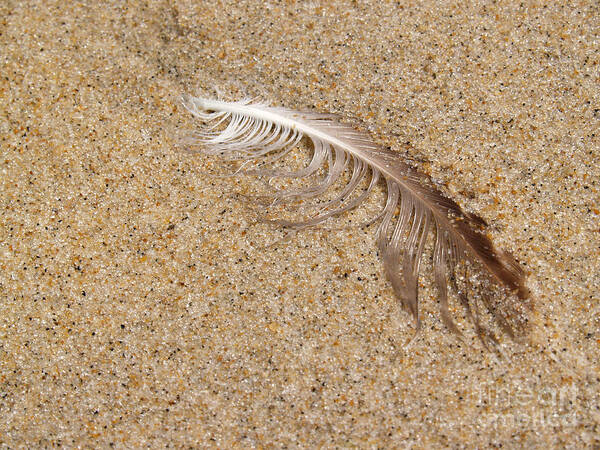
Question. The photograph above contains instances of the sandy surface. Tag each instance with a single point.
(138, 304)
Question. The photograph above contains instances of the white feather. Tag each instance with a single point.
(415, 206)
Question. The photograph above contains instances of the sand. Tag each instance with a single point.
(140, 303)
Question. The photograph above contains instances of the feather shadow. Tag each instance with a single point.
(464, 259)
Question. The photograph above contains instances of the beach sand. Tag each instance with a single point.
(142, 305)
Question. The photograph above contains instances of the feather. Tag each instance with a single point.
(464, 258)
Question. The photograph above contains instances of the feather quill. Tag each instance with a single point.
(415, 207)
